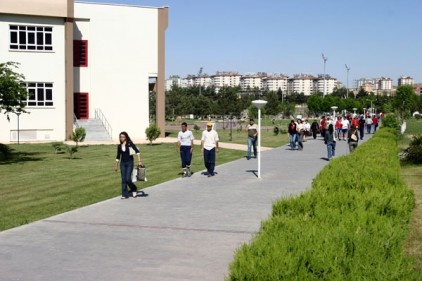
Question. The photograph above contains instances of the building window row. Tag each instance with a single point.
(38, 38)
(40, 94)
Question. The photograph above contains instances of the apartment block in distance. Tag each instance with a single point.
(83, 61)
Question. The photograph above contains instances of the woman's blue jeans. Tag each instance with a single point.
(331, 149)
(126, 169)
(292, 138)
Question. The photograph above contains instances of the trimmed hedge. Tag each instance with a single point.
(351, 225)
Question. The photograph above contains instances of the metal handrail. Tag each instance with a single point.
(99, 115)
(75, 121)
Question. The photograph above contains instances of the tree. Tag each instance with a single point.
(273, 104)
(405, 100)
(13, 93)
(228, 100)
(152, 133)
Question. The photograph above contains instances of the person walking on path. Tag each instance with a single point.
(352, 138)
(375, 122)
(323, 126)
(252, 137)
(300, 128)
(345, 124)
(307, 127)
(291, 129)
(185, 147)
(338, 127)
(361, 126)
(125, 151)
(209, 147)
(368, 122)
(330, 141)
(314, 129)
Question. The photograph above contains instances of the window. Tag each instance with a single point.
(40, 94)
(80, 53)
(37, 38)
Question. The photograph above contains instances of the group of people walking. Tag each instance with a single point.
(346, 128)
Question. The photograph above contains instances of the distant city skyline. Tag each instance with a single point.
(373, 38)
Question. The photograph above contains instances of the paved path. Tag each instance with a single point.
(185, 229)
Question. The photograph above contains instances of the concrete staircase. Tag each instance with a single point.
(95, 130)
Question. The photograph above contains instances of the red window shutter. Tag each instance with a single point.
(80, 53)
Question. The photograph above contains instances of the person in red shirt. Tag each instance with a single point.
(355, 122)
(338, 127)
(375, 122)
(322, 126)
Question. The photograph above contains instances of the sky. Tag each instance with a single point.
(374, 38)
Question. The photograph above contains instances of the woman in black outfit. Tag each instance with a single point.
(125, 151)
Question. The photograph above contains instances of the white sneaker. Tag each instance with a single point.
(134, 194)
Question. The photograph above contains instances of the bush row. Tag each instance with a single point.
(350, 226)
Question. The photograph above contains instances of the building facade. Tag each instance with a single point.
(80, 59)
(405, 80)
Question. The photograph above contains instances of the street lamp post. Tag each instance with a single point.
(259, 104)
(354, 110)
(364, 112)
(325, 60)
(18, 113)
(347, 90)
(334, 111)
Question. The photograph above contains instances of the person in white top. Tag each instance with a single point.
(209, 147)
(368, 122)
(185, 147)
(252, 137)
(344, 127)
(300, 128)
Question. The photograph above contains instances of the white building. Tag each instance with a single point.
(251, 82)
(385, 83)
(221, 79)
(275, 83)
(80, 59)
(405, 80)
(301, 83)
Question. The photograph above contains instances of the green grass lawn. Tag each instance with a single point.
(37, 183)
(412, 175)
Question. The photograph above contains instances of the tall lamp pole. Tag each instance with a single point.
(18, 113)
(325, 60)
(259, 104)
(347, 92)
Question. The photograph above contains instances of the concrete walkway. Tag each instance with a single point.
(185, 229)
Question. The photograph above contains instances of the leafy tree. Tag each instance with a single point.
(340, 92)
(361, 94)
(273, 104)
(315, 104)
(227, 100)
(78, 135)
(404, 100)
(13, 93)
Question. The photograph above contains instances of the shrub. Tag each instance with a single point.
(78, 135)
(351, 225)
(152, 132)
(59, 147)
(5, 151)
(413, 154)
(196, 128)
(391, 121)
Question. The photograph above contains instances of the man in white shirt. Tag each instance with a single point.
(185, 147)
(252, 137)
(209, 147)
